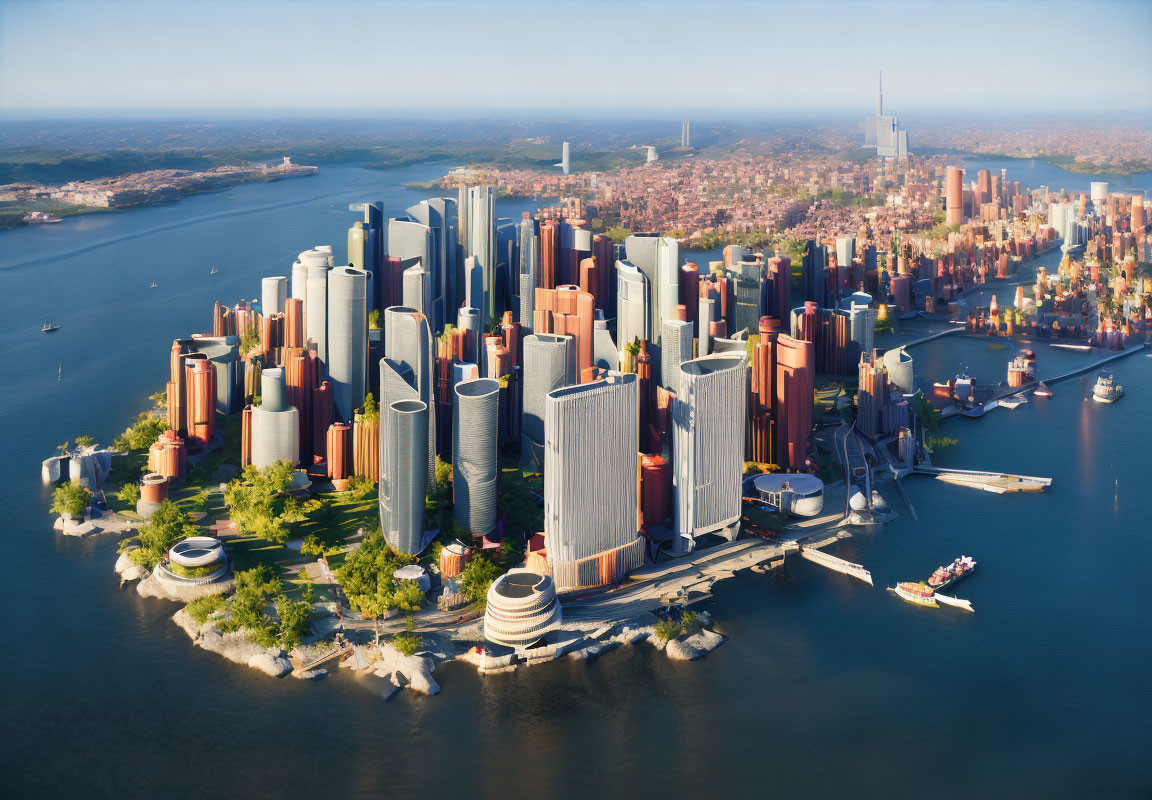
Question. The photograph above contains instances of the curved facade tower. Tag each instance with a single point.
(475, 466)
(521, 609)
(591, 520)
(546, 368)
(347, 338)
(468, 319)
(316, 312)
(632, 299)
(954, 196)
(275, 424)
(413, 243)
(708, 448)
(318, 256)
(273, 293)
(408, 341)
(408, 432)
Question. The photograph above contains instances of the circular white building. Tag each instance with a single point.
(792, 493)
(196, 551)
(522, 608)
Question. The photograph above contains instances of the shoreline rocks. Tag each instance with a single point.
(235, 646)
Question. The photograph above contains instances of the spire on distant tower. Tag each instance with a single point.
(880, 96)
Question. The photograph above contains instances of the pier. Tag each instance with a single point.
(996, 482)
(836, 564)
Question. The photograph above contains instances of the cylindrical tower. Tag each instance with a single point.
(347, 338)
(475, 467)
(407, 475)
(275, 425)
(273, 293)
(316, 312)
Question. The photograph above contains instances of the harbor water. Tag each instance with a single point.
(828, 687)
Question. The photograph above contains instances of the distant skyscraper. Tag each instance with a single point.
(954, 196)
(439, 215)
(564, 163)
(408, 341)
(708, 416)
(591, 521)
(685, 139)
(413, 243)
(652, 155)
(883, 132)
(676, 349)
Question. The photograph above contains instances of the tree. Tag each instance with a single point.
(168, 524)
(85, 441)
(409, 642)
(367, 578)
(247, 609)
(129, 494)
(70, 499)
(258, 501)
(142, 433)
(370, 411)
(294, 616)
(63, 448)
(159, 399)
(477, 577)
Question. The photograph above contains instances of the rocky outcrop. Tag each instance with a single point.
(235, 646)
(695, 646)
(414, 672)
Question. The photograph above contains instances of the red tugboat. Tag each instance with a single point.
(955, 572)
(916, 592)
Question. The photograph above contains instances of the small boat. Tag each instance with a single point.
(1079, 348)
(153, 286)
(1106, 389)
(952, 573)
(919, 593)
(1042, 390)
(49, 327)
(213, 271)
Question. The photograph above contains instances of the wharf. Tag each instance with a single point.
(996, 482)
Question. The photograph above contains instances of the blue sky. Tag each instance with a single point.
(554, 55)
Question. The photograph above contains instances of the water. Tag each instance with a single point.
(826, 687)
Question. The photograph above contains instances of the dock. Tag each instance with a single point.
(836, 564)
(995, 482)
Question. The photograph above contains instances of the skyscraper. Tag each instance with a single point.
(590, 499)
(408, 341)
(316, 312)
(708, 448)
(347, 338)
(685, 139)
(402, 497)
(658, 257)
(954, 196)
(275, 425)
(564, 163)
(413, 243)
(632, 321)
(273, 293)
(475, 468)
(884, 132)
(478, 223)
(547, 367)
(677, 349)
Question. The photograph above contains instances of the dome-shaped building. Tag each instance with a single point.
(522, 608)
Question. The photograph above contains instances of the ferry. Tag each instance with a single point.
(1106, 389)
(952, 573)
(49, 327)
(919, 593)
(1042, 390)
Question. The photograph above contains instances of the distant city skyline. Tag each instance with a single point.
(642, 58)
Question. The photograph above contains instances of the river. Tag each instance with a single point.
(827, 687)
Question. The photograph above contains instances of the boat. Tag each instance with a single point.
(1106, 389)
(213, 271)
(49, 327)
(1079, 348)
(919, 593)
(1042, 390)
(153, 286)
(952, 573)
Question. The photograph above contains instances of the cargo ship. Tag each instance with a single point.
(919, 593)
(952, 573)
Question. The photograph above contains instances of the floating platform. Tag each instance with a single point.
(995, 482)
